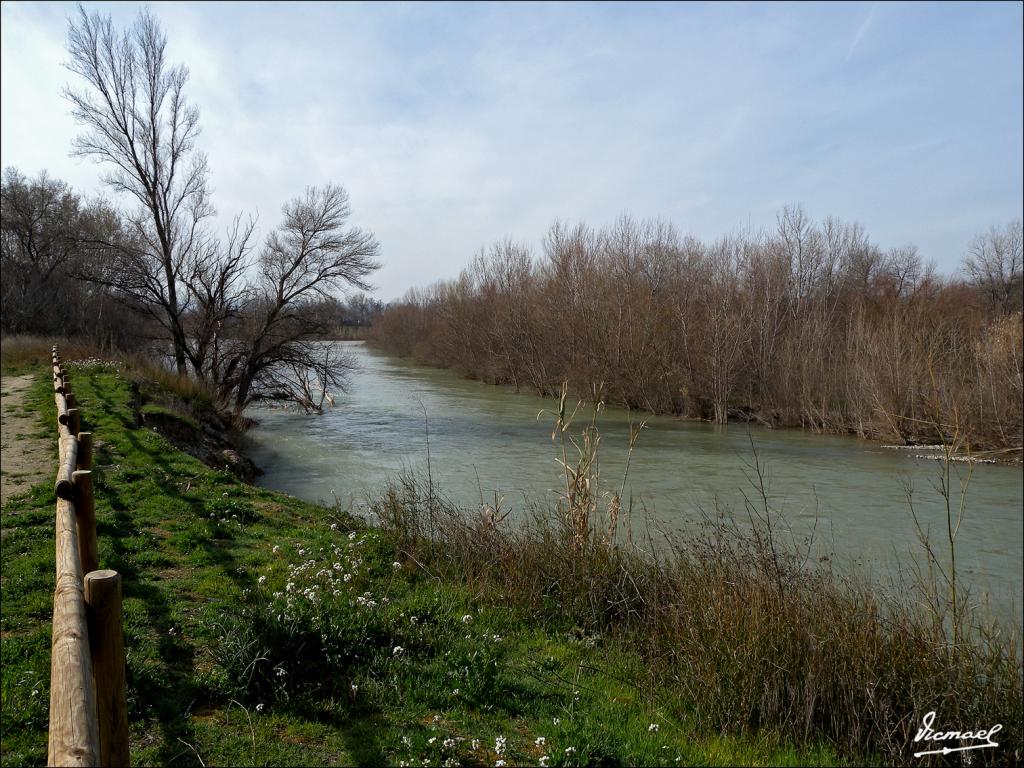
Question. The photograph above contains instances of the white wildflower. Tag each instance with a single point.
(396, 565)
(262, 580)
(397, 650)
(466, 619)
(539, 741)
(448, 743)
(259, 707)
(652, 728)
(544, 761)
(570, 751)
(557, 721)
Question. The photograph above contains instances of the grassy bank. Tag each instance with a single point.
(264, 630)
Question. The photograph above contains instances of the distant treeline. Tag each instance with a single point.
(810, 324)
(54, 250)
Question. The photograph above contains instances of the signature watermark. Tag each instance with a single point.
(926, 734)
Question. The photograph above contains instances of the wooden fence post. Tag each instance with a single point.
(85, 450)
(68, 460)
(74, 421)
(85, 512)
(106, 638)
(74, 734)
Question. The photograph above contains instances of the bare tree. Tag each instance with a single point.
(41, 232)
(994, 264)
(274, 352)
(216, 277)
(905, 271)
(139, 124)
(724, 327)
(45, 234)
(252, 339)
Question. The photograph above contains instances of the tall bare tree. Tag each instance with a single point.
(994, 263)
(139, 124)
(252, 338)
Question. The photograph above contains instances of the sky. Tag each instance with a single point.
(455, 125)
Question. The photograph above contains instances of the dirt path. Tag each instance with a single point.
(24, 458)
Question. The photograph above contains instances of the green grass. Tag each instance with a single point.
(228, 665)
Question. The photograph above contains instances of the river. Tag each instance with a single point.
(486, 440)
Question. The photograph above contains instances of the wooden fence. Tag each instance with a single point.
(88, 706)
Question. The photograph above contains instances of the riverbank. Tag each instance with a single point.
(920, 443)
(264, 629)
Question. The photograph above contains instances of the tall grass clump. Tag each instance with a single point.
(26, 351)
(739, 623)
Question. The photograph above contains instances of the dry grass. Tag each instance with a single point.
(748, 632)
(751, 636)
(33, 352)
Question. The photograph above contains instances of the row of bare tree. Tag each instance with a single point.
(44, 227)
(242, 314)
(810, 324)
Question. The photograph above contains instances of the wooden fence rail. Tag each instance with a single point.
(88, 705)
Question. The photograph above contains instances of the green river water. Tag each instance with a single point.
(486, 440)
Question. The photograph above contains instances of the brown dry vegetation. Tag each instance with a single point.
(745, 628)
(810, 325)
